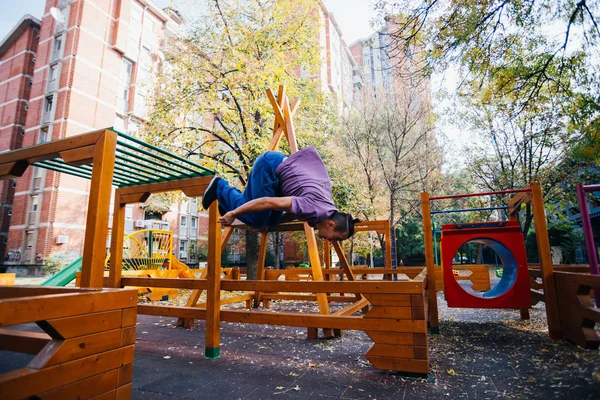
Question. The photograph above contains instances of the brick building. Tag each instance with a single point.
(17, 60)
(91, 70)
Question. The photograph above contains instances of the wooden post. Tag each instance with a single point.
(116, 243)
(541, 234)
(260, 268)
(430, 263)
(327, 257)
(94, 250)
(514, 207)
(317, 273)
(212, 348)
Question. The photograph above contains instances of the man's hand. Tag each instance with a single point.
(227, 219)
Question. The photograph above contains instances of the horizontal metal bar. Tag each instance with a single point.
(456, 196)
(87, 169)
(469, 210)
(166, 167)
(57, 169)
(169, 163)
(591, 188)
(141, 142)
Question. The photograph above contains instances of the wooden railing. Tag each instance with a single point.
(396, 322)
(86, 350)
(578, 315)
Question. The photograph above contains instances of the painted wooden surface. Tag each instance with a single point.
(87, 349)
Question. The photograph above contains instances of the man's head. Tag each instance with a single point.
(340, 226)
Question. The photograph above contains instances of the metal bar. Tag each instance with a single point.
(468, 210)
(126, 160)
(456, 196)
(158, 157)
(139, 171)
(41, 165)
(84, 169)
(141, 142)
(591, 188)
(588, 234)
(166, 167)
(123, 176)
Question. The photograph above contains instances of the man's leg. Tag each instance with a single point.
(262, 182)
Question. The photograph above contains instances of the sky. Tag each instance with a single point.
(353, 16)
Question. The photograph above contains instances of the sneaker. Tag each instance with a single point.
(210, 194)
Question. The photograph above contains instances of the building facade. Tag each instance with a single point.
(91, 66)
(18, 51)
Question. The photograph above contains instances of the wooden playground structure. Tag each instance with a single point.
(90, 331)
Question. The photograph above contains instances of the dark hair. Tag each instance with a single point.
(344, 223)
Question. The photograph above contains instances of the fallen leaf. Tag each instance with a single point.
(166, 357)
(451, 372)
(297, 388)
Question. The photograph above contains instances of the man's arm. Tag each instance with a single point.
(258, 205)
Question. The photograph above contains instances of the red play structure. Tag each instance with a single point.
(506, 239)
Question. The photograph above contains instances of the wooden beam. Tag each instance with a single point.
(23, 341)
(213, 293)
(430, 261)
(77, 157)
(131, 198)
(13, 169)
(353, 308)
(48, 151)
(407, 287)
(116, 243)
(94, 250)
(262, 259)
(541, 230)
(159, 187)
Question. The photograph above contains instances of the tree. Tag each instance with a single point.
(210, 103)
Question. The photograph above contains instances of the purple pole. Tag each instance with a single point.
(588, 235)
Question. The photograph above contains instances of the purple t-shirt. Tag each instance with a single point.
(303, 176)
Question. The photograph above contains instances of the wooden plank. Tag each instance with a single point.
(421, 353)
(159, 187)
(390, 313)
(213, 297)
(551, 301)
(19, 311)
(429, 261)
(14, 169)
(22, 341)
(110, 395)
(391, 337)
(353, 308)
(94, 249)
(260, 268)
(420, 339)
(195, 191)
(172, 311)
(316, 321)
(78, 157)
(128, 336)
(129, 317)
(364, 287)
(124, 392)
(7, 292)
(400, 364)
(83, 389)
(47, 151)
(28, 382)
(315, 264)
(79, 347)
(396, 300)
(125, 375)
(390, 350)
(116, 243)
(173, 283)
(81, 325)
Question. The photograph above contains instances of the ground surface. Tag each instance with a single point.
(480, 354)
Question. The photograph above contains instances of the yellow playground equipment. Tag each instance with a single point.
(149, 253)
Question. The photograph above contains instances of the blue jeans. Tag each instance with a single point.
(262, 182)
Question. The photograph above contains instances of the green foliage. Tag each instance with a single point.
(53, 264)
(409, 240)
(202, 254)
(561, 233)
(211, 105)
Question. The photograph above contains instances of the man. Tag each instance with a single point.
(298, 185)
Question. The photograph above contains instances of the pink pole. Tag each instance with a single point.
(586, 223)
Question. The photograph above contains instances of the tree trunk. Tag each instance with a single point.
(277, 244)
(251, 254)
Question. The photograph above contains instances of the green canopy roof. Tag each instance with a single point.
(136, 163)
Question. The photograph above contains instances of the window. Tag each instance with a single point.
(56, 48)
(52, 77)
(34, 203)
(136, 12)
(38, 174)
(43, 135)
(183, 221)
(194, 222)
(119, 124)
(123, 88)
(48, 104)
(129, 211)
